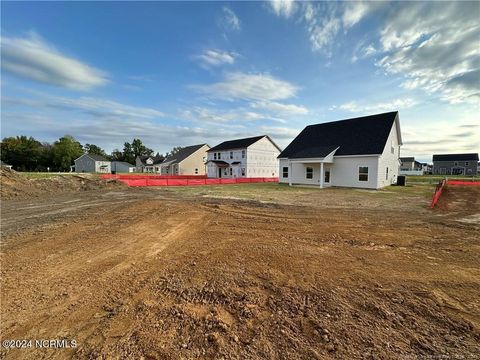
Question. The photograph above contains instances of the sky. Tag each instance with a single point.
(185, 73)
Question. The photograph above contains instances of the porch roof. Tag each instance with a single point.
(219, 163)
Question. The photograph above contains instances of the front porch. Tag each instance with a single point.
(311, 172)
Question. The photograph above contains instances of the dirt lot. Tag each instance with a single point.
(243, 272)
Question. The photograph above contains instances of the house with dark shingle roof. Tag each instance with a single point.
(360, 152)
(92, 163)
(247, 157)
(455, 164)
(149, 164)
(189, 160)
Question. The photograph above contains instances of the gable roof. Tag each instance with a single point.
(241, 143)
(94, 157)
(183, 153)
(455, 157)
(366, 135)
(123, 163)
(97, 157)
(156, 159)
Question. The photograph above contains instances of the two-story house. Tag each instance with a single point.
(455, 164)
(249, 157)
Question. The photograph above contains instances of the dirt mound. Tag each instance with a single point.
(18, 186)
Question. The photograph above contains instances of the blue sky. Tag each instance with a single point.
(182, 73)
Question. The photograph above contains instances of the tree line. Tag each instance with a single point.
(28, 154)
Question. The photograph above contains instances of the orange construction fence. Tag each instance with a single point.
(182, 180)
(441, 185)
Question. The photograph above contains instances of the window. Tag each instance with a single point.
(214, 156)
(309, 173)
(231, 154)
(285, 171)
(466, 163)
(456, 163)
(243, 154)
(392, 148)
(363, 173)
(196, 171)
(386, 176)
(219, 156)
(243, 171)
(231, 171)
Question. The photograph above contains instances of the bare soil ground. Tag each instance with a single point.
(255, 271)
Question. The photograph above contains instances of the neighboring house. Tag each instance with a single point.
(122, 167)
(249, 157)
(92, 163)
(360, 152)
(189, 160)
(2, 164)
(149, 164)
(409, 166)
(455, 164)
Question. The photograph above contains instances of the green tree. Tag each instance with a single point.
(136, 148)
(65, 150)
(116, 155)
(94, 150)
(23, 153)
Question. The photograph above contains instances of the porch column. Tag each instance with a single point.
(289, 173)
(321, 175)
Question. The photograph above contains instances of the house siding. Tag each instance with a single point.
(194, 161)
(86, 164)
(389, 160)
(260, 161)
(447, 167)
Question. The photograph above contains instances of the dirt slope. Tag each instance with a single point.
(15, 185)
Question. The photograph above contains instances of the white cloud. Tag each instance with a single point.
(216, 116)
(354, 12)
(435, 46)
(93, 106)
(283, 7)
(249, 87)
(279, 108)
(215, 57)
(34, 59)
(394, 105)
(230, 20)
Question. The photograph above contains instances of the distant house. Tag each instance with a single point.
(409, 166)
(122, 167)
(455, 164)
(361, 152)
(189, 160)
(149, 164)
(248, 157)
(92, 163)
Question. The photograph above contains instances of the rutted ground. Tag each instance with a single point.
(163, 274)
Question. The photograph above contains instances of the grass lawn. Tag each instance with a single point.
(434, 179)
(45, 175)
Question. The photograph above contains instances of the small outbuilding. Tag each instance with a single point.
(122, 167)
(92, 163)
(361, 152)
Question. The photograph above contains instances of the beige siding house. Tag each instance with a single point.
(189, 160)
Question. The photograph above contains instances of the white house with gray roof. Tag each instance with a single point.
(360, 152)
